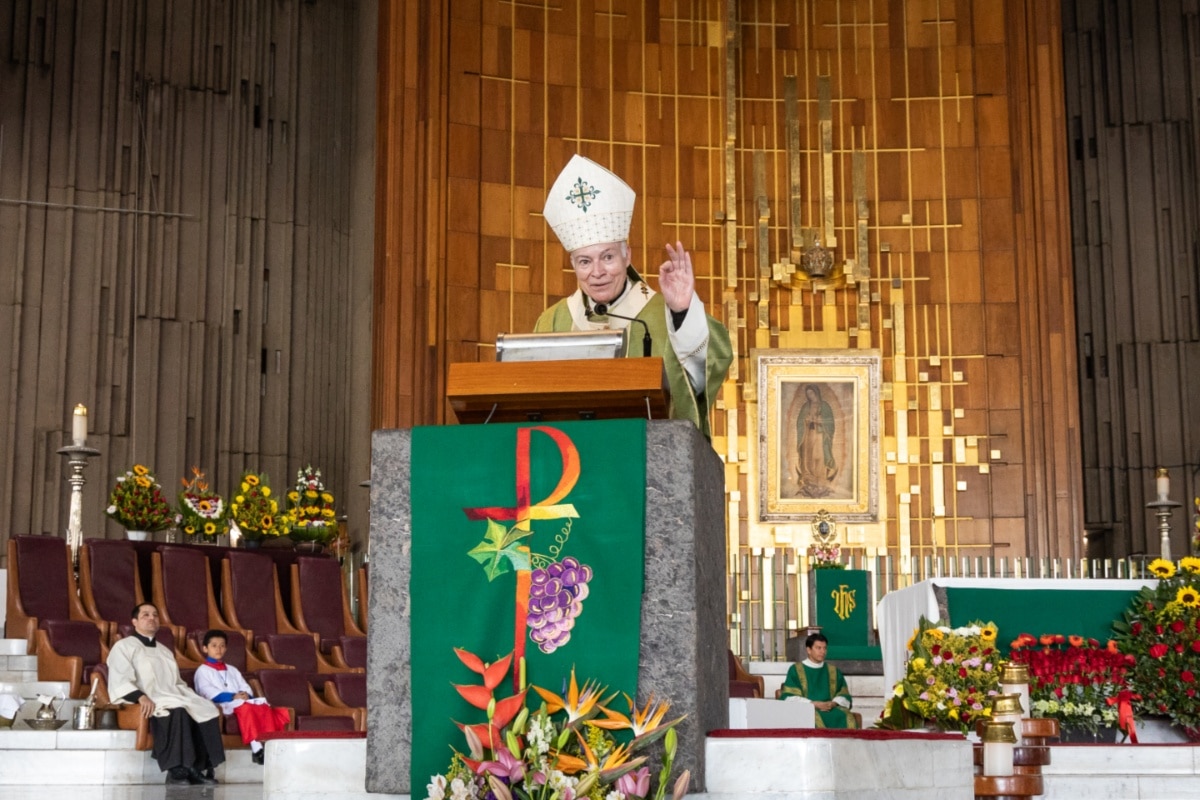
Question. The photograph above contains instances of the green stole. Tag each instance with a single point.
(685, 404)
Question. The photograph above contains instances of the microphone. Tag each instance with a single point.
(602, 311)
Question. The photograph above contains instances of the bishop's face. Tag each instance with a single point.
(600, 270)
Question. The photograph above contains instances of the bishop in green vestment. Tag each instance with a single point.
(590, 210)
(823, 684)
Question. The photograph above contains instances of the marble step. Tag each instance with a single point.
(12, 647)
(68, 757)
(31, 688)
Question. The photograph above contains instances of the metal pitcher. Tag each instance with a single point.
(84, 717)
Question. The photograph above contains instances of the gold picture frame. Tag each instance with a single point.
(818, 434)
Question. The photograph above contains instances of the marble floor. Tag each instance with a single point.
(234, 791)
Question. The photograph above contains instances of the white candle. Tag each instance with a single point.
(1163, 483)
(79, 425)
(998, 759)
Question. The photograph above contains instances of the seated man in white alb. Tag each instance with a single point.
(187, 740)
(590, 210)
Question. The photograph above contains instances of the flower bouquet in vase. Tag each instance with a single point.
(310, 514)
(137, 503)
(254, 511)
(1161, 631)
(950, 680)
(203, 514)
(1080, 682)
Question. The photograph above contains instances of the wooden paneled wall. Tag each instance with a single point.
(955, 110)
(175, 195)
(1133, 99)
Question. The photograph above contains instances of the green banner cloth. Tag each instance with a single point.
(544, 521)
(843, 601)
(1036, 611)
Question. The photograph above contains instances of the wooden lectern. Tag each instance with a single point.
(556, 391)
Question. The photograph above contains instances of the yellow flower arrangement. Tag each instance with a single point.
(137, 502)
(310, 514)
(201, 512)
(951, 678)
(253, 510)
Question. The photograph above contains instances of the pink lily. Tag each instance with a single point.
(635, 784)
(506, 765)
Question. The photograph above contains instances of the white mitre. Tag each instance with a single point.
(589, 205)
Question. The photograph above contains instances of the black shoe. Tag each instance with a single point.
(196, 777)
(178, 776)
(259, 757)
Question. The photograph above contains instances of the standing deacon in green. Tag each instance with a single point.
(590, 210)
(821, 683)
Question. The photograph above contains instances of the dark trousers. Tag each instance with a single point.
(180, 741)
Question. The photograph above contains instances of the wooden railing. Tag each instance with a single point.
(769, 587)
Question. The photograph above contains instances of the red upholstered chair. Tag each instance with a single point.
(129, 716)
(250, 597)
(354, 651)
(183, 592)
(348, 690)
(290, 689)
(109, 583)
(363, 596)
(41, 586)
(70, 650)
(320, 604)
(741, 682)
(300, 651)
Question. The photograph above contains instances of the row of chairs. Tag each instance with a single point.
(71, 631)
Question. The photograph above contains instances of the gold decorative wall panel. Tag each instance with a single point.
(920, 141)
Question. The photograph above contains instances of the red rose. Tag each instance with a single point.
(937, 648)
(1177, 626)
(1196, 646)
(1058, 692)
(1149, 606)
(1158, 629)
(1162, 673)
(962, 673)
(1186, 676)
(947, 655)
(1190, 692)
(1137, 628)
(1178, 648)
(1158, 650)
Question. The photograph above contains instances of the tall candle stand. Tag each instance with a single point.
(77, 456)
(1163, 509)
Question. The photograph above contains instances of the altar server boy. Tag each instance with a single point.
(225, 686)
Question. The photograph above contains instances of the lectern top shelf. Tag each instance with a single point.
(558, 391)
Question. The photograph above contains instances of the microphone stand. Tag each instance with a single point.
(602, 311)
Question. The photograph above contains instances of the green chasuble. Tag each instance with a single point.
(685, 403)
(819, 684)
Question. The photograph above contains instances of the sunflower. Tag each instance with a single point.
(1188, 596)
(140, 470)
(204, 506)
(327, 512)
(143, 482)
(293, 496)
(1189, 564)
(1162, 568)
(988, 634)
(266, 491)
(311, 494)
(209, 528)
(328, 498)
(252, 479)
(189, 530)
